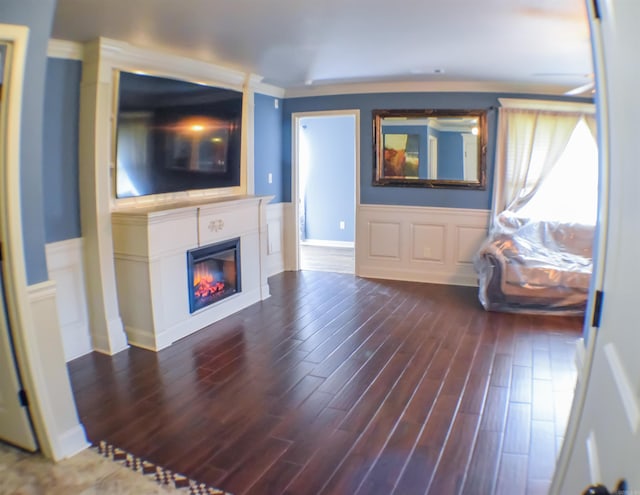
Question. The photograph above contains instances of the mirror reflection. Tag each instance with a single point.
(429, 148)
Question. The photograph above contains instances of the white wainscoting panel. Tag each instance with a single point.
(290, 233)
(422, 244)
(65, 264)
(54, 397)
(468, 239)
(275, 238)
(428, 242)
(383, 239)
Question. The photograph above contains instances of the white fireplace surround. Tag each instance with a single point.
(150, 246)
(139, 241)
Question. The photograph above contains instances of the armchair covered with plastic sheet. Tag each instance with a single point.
(535, 266)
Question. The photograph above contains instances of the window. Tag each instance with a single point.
(569, 193)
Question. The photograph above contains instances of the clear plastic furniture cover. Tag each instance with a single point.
(534, 266)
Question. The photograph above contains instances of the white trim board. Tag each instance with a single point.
(292, 239)
(268, 90)
(548, 105)
(69, 50)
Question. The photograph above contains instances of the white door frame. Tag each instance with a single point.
(14, 273)
(585, 350)
(42, 368)
(18, 428)
(295, 174)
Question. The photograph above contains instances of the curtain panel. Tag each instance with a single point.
(530, 140)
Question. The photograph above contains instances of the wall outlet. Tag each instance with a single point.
(270, 178)
(341, 224)
(276, 103)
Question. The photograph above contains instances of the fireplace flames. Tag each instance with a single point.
(213, 277)
(206, 286)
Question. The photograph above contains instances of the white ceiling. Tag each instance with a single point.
(298, 43)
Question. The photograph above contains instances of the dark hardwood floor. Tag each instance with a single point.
(343, 385)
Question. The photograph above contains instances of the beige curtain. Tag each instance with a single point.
(534, 142)
(592, 124)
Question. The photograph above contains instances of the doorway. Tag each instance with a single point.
(325, 190)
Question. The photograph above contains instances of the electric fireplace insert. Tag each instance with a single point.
(213, 273)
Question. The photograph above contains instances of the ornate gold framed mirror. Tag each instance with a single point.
(430, 148)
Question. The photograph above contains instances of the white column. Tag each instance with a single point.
(95, 156)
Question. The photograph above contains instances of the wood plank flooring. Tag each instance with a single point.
(343, 385)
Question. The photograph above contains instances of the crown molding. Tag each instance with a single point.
(124, 56)
(255, 83)
(425, 87)
(70, 50)
(269, 90)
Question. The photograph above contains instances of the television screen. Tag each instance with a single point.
(175, 136)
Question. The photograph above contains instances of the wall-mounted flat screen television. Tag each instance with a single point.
(174, 136)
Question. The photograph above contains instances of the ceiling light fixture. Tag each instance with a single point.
(437, 70)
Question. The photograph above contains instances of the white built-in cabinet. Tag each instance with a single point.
(150, 245)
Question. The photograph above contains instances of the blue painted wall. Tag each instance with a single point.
(38, 16)
(366, 103)
(60, 172)
(268, 147)
(330, 191)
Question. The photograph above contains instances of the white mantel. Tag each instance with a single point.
(150, 243)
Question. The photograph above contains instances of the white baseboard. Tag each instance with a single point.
(409, 275)
(420, 244)
(65, 265)
(113, 341)
(320, 243)
(73, 441)
(144, 339)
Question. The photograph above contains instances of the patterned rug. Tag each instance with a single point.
(162, 476)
